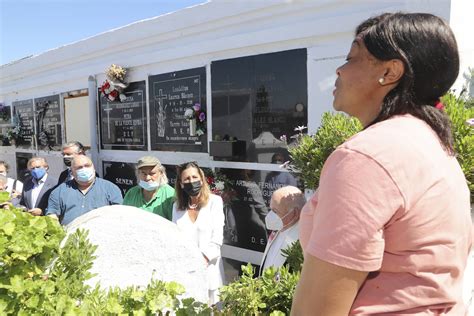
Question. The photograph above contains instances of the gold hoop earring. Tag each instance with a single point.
(381, 80)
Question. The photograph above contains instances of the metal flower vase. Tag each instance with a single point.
(192, 127)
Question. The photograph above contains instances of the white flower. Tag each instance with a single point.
(219, 185)
(189, 113)
(300, 128)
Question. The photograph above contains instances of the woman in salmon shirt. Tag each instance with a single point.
(389, 229)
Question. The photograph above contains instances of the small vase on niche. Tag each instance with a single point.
(192, 127)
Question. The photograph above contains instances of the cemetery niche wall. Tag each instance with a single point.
(171, 94)
(123, 125)
(258, 99)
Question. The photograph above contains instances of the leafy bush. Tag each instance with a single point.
(270, 294)
(294, 256)
(38, 277)
(459, 111)
(311, 152)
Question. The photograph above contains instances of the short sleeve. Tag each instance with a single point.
(129, 198)
(356, 199)
(168, 204)
(115, 195)
(54, 207)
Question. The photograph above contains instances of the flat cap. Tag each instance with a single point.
(148, 161)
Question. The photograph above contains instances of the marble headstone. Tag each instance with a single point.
(135, 246)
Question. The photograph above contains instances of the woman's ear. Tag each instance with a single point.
(394, 70)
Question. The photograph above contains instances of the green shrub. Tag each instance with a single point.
(294, 256)
(38, 277)
(270, 294)
(311, 152)
(459, 111)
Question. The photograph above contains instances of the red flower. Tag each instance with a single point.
(210, 180)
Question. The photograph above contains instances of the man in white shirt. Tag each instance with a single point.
(286, 204)
(37, 189)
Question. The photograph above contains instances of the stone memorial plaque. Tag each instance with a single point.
(5, 114)
(170, 95)
(123, 124)
(22, 172)
(48, 122)
(120, 173)
(245, 211)
(134, 246)
(171, 174)
(25, 115)
(258, 99)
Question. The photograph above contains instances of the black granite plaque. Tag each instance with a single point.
(48, 122)
(171, 174)
(5, 114)
(121, 173)
(123, 124)
(258, 99)
(22, 172)
(171, 94)
(25, 116)
(247, 202)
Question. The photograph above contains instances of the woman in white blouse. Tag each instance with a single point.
(200, 215)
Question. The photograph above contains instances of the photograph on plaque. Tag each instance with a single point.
(48, 123)
(174, 97)
(257, 102)
(120, 173)
(123, 123)
(24, 118)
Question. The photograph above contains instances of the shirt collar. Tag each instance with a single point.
(42, 180)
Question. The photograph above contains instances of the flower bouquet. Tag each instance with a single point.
(197, 120)
(115, 83)
(220, 185)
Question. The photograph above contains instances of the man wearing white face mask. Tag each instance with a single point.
(153, 193)
(282, 220)
(82, 194)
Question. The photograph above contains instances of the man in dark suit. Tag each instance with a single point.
(38, 187)
(69, 151)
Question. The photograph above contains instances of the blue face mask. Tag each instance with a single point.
(38, 173)
(84, 174)
(148, 186)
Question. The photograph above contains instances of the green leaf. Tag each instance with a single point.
(17, 284)
(8, 228)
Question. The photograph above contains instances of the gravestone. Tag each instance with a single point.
(134, 246)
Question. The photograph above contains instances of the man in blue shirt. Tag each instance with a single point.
(82, 194)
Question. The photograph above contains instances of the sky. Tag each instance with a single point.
(30, 27)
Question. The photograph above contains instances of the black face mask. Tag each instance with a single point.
(67, 161)
(192, 188)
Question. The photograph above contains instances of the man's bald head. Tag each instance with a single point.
(79, 161)
(285, 200)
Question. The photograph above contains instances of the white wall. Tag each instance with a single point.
(462, 23)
